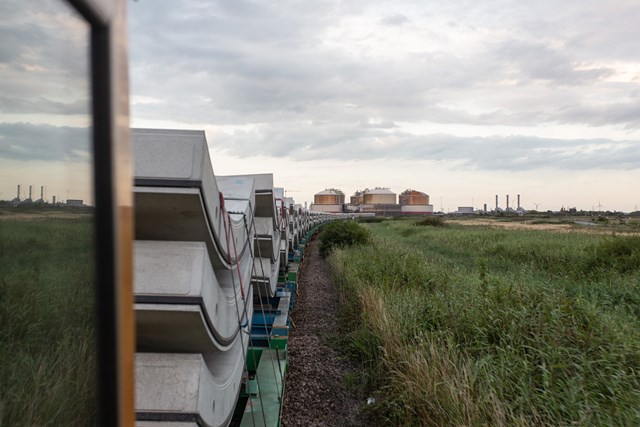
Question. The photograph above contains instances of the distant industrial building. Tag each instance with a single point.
(76, 203)
(382, 209)
(329, 200)
(381, 201)
(357, 198)
(414, 202)
(413, 197)
(465, 210)
(378, 196)
(330, 196)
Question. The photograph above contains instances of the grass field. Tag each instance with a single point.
(476, 325)
(47, 346)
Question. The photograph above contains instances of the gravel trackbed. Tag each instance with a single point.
(315, 389)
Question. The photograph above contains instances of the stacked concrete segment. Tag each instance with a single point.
(193, 269)
(285, 247)
(292, 223)
(205, 247)
(266, 247)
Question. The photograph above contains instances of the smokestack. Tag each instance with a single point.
(30, 187)
(485, 207)
(518, 202)
(496, 202)
(54, 200)
(507, 202)
(42, 192)
(18, 196)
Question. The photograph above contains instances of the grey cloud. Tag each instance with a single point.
(237, 63)
(44, 58)
(538, 61)
(379, 125)
(517, 152)
(42, 105)
(395, 20)
(28, 142)
(277, 72)
(627, 114)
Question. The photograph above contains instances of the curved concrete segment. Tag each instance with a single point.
(204, 246)
(237, 187)
(176, 194)
(189, 387)
(265, 200)
(240, 226)
(281, 209)
(239, 200)
(181, 305)
(267, 239)
(265, 276)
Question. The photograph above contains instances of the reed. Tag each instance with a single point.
(47, 344)
(474, 326)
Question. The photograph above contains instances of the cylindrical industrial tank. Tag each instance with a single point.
(330, 196)
(379, 196)
(357, 198)
(413, 197)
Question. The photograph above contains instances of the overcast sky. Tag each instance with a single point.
(45, 110)
(460, 99)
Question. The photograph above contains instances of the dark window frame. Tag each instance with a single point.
(114, 212)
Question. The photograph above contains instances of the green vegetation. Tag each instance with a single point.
(342, 234)
(469, 325)
(372, 219)
(47, 345)
(431, 221)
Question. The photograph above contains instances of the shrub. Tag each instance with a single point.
(431, 221)
(341, 234)
(621, 253)
(372, 219)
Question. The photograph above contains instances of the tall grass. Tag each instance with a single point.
(47, 345)
(342, 234)
(475, 326)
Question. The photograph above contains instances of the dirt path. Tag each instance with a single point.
(315, 391)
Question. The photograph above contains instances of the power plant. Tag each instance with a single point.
(330, 200)
(378, 196)
(508, 207)
(42, 201)
(412, 197)
(378, 200)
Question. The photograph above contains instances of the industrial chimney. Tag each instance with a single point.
(507, 202)
(42, 193)
(496, 202)
(54, 200)
(30, 188)
(18, 196)
(518, 202)
(485, 208)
